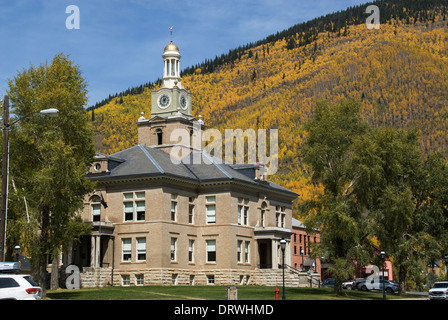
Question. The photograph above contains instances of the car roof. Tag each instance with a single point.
(13, 275)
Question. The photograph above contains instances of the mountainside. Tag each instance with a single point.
(399, 73)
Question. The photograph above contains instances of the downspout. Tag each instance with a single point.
(113, 260)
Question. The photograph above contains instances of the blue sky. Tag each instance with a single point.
(120, 42)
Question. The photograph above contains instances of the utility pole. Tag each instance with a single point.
(4, 192)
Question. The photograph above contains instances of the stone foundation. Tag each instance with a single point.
(100, 277)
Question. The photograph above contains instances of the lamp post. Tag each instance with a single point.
(301, 253)
(383, 260)
(5, 169)
(17, 248)
(283, 246)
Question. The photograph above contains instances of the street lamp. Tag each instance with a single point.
(5, 168)
(17, 248)
(283, 246)
(301, 253)
(383, 260)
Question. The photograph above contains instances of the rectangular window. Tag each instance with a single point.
(128, 196)
(243, 211)
(238, 250)
(140, 208)
(173, 249)
(134, 206)
(190, 250)
(191, 213)
(173, 207)
(126, 280)
(139, 279)
(211, 213)
(191, 210)
(128, 211)
(141, 249)
(211, 250)
(246, 251)
(96, 212)
(283, 217)
(277, 216)
(210, 209)
(280, 217)
(210, 279)
(126, 249)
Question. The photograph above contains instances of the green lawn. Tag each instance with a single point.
(208, 293)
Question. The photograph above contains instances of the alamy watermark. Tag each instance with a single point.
(373, 280)
(373, 21)
(240, 147)
(73, 281)
(73, 21)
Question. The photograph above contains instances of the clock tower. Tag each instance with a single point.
(170, 109)
(172, 97)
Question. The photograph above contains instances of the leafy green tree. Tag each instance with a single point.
(376, 184)
(332, 133)
(402, 195)
(50, 156)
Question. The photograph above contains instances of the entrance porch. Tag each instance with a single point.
(269, 250)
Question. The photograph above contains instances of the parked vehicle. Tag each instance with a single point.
(438, 291)
(329, 283)
(348, 285)
(379, 285)
(356, 282)
(9, 267)
(19, 287)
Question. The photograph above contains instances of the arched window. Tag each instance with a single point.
(263, 214)
(96, 208)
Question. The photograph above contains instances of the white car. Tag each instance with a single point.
(438, 291)
(19, 287)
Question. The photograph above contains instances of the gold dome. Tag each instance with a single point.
(171, 47)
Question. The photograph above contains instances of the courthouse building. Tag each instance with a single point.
(160, 222)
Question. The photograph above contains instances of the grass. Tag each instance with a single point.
(208, 293)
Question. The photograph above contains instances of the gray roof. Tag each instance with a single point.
(297, 223)
(199, 166)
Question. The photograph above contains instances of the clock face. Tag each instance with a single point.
(183, 102)
(164, 101)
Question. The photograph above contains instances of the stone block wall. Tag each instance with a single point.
(100, 277)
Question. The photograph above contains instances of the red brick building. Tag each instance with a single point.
(302, 248)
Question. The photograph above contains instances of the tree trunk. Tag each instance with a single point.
(40, 259)
(402, 275)
(338, 287)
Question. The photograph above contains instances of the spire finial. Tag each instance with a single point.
(171, 31)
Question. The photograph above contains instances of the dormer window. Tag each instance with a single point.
(97, 167)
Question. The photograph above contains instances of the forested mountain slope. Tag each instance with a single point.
(399, 73)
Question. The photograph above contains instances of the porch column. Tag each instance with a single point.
(274, 254)
(97, 251)
(92, 251)
(95, 245)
